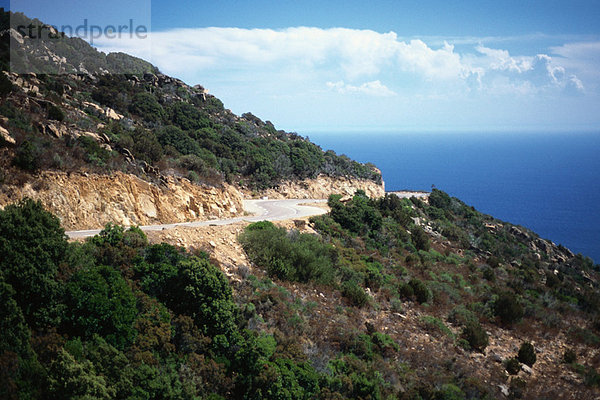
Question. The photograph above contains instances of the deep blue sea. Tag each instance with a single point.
(546, 182)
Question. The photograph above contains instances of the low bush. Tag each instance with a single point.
(460, 315)
(569, 357)
(289, 255)
(435, 325)
(513, 366)
(421, 291)
(55, 113)
(406, 291)
(527, 354)
(28, 156)
(355, 294)
(508, 308)
(475, 335)
(420, 238)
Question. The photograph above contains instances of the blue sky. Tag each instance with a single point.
(382, 65)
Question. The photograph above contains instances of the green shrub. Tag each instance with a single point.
(493, 262)
(569, 357)
(358, 215)
(193, 177)
(15, 332)
(289, 255)
(591, 377)
(32, 247)
(28, 156)
(517, 388)
(449, 391)
(374, 279)
(396, 305)
(260, 225)
(513, 366)
(462, 316)
(55, 113)
(355, 294)
(145, 105)
(94, 153)
(406, 291)
(189, 286)
(421, 291)
(420, 238)
(527, 354)
(508, 308)
(475, 335)
(435, 325)
(488, 274)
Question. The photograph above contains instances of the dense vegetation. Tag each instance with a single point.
(115, 317)
(391, 298)
(465, 271)
(162, 125)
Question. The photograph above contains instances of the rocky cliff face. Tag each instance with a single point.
(88, 201)
(322, 186)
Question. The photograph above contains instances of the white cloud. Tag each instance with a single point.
(525, 74)
(374, 88)
(306, 54)
(582, 58)
(355, 53)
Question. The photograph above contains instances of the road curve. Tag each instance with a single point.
(270, 210)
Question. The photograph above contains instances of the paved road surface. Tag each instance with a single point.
(270, 210)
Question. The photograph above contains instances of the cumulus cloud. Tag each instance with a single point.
(524, 74)
(374, 88)
(356, 53)
(356, 61)
(582, 59)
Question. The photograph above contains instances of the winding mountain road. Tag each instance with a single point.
(270, 210)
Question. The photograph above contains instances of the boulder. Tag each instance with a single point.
(57, 131)
(16, 36)
(527, 369)
(96, 109)
(6, 137)
(112, 114)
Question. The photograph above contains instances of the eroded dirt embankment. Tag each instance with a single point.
(90, 201)
(321, 187)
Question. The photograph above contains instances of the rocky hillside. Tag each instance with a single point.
(93, 117)
(379, 299)
(382, 298)
(80, 117)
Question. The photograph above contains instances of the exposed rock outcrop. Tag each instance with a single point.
(88, 201)
(6, 136)
(322, 186)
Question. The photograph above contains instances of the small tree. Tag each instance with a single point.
(513, 366)
(527, 354)
(27, 157)
(32, 245)
(355, 294)
(420, 238)
(421, 291)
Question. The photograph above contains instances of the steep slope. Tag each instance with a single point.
(78, 112)
(146, 122)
